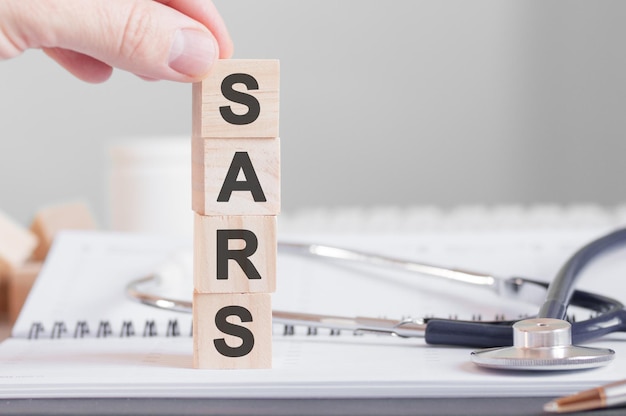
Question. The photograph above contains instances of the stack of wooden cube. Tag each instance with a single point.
(236, 198)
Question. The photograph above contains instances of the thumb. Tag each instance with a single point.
(145, 37)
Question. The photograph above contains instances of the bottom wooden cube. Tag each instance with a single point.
(232, 330)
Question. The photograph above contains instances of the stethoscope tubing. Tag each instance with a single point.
(611, 318)
(562, 286)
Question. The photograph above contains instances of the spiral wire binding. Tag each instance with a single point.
(391, 220)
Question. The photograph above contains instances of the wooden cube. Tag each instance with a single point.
(236, 176)
(52, 219)
(4, 298)
(239, 98)
(235, 254)
(20, 283)
(16, 245)
(232, 331)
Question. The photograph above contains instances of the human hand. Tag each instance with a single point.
(175, 40)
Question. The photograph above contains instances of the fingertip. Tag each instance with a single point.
(99, 77)
(227, 49)
(193, 52)
(96, 75)
(82, 66)
(149, 79)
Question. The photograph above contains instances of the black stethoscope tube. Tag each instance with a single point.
(611, 318)
(562, 287)
(561, 293)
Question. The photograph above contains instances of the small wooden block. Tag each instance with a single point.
(49, 220)
(239, 98)
(20, 283)
(235, 254)
(4, 296)
(232, 331)
(16, 245)
(254, 164)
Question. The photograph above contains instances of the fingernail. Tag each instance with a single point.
(192, 53)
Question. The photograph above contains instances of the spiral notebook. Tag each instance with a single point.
(80, 336)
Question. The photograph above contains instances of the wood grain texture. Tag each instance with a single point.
(259, 235)
(208, 97)
(212, 159)
(248, 338)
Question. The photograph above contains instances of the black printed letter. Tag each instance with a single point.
(254, 108)
(240, 256)
(241, 162)
(226, 327)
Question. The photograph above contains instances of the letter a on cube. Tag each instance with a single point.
(235, 176)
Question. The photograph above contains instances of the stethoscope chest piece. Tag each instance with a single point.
(542, 344)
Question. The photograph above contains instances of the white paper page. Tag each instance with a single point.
(84, 279)
(303, 367)
(315, 285)
(308, 366)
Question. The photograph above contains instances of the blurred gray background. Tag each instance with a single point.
(402, 102)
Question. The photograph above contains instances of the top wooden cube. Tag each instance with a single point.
(239, 98)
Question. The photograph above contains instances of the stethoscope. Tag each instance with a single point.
(545, 342)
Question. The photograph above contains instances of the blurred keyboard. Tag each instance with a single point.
(463, 218)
